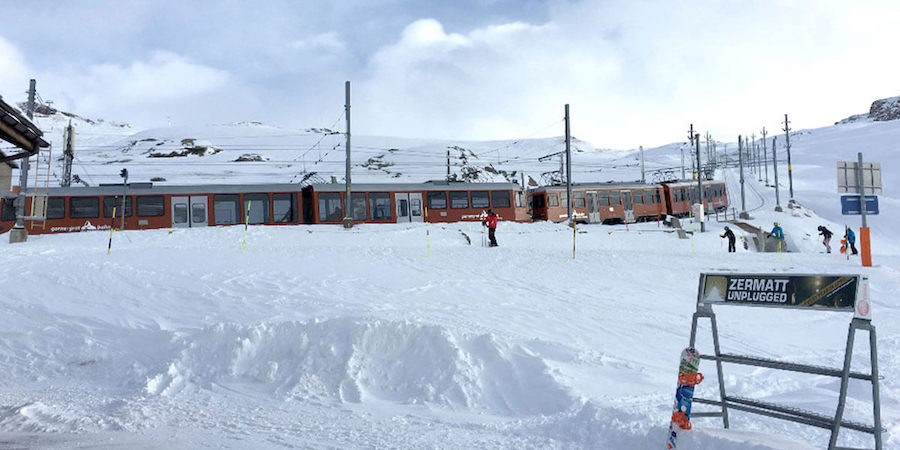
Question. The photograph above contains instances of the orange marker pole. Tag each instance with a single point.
(865, 247)
(112, 224)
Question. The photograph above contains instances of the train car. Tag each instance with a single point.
(147, 206)
(407, 202)
(680, 195)
(598, 202)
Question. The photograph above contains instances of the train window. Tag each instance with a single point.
(283, 207)
(198, 212)
(256, 206)
(330, 209)
(459, 199)
(564, 199)
(437, 200)
(151, 205)
(614, 198)
(602, 198)
(500, 199)
(552, 199)
(358, 205)
(227, 208)
(9, 209)
(578, 199)
(520, 199)
(110, 202)
(656, 196)
(481, 199)
(56, 208)
(180, 213)
(84, 207)
(380, 204)
(637, 197)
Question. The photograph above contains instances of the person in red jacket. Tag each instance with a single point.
(491, 222)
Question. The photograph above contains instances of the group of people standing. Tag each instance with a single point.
(778, 233)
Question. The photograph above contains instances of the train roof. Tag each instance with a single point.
(680, 183)
(150, 188)
(611, 185)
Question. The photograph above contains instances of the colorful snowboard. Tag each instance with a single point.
(688, 377)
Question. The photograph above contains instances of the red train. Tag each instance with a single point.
(148, 206)
(623, 202)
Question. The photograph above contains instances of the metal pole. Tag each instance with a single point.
(775, 169)
(861, 187)
(787, 137)
(68, 154)
(700, 184)
(682, 162)
(569, 169)
(124, 195)
(765, 158)
(348, 214)
(642, 164)
(744, 214)
(19, 233)
(448, 164)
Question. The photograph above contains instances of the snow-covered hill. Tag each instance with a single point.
(407, 336)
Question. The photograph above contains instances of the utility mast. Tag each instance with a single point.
(787, 144)
(19, 233)
(765, 158)
(68, 154)
(348, 204)
(569, 169)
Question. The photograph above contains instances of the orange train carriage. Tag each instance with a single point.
(147, 206)
(622, 202)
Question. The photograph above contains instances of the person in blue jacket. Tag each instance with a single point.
(850, 236)
(778, 234)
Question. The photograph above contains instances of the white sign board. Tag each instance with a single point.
(847, 177)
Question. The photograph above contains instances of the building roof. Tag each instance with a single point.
(19, 131)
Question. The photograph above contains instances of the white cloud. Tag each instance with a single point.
(13, 73)
(328, 42)
(636, 72)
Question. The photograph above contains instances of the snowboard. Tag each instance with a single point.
(688, 377)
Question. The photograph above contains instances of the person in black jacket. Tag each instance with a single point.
(826, 237)
(728, 234)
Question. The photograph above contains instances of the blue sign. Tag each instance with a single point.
(850, 205)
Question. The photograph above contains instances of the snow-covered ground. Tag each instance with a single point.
(378, 337)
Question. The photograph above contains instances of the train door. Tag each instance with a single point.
(189, 211)
(593, 211)
(409, 207)
(628, 206)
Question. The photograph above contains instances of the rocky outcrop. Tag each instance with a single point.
(885, 109)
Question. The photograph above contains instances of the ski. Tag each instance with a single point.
(688, 377)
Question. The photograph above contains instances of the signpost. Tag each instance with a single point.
(862, 178)
(810, 293)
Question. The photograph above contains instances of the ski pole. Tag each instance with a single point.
(112, 224)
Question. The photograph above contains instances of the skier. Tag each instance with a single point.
(850, 236)
(491, 223)
(826, 237)
(730, 235)
(778, 234)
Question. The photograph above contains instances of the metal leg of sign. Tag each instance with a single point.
(876, 397)
(845, 379)
(859, 324)
(715, 335)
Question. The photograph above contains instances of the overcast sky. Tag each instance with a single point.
(634, 72)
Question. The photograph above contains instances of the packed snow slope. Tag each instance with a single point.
(406, 336)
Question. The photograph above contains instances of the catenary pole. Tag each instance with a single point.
(787, 144)
(348, 214)
(19, 233)
(643, 180)
(744, 214)
(569, 169)
(765, 157)
(775, 169)
(700, 184)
